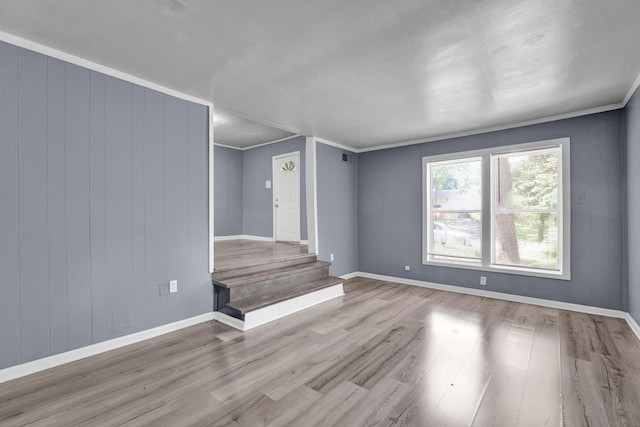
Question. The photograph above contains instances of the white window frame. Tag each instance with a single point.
(487, 229)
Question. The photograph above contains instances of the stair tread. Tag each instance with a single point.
(245, 279)
(252, 303)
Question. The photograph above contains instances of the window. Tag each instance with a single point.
(503, 209)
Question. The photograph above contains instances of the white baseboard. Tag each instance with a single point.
(249, 237)
(29, 368)
(632, 324)
(229, 321)
(351, 275)
(243, 237)
(225, 238)
(500, 295)
(273, 312)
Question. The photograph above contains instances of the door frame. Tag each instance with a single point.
(274, 188)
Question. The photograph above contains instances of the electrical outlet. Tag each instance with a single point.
(483, 280)
(267, 184)
(173, 286)
(407, 268)
(332, 258)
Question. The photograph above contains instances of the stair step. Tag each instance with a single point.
(251, 303)
(270, 274)
(274, 280)
(287, 261)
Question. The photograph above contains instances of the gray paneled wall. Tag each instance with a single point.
(632, 134)
(390, 212)
(103, 189)
(227, 191)
(337, 208)
(257, 201)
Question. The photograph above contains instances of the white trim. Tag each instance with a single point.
(276, 311)
(485, 155)
(351, 275)
(229, 321)
(337, 145)
(228, 146)
(244, 237)
(304, 242)
(312, 194)
(632, 90)
(499, 295)
(73, 59)
(632, 324)
(49, 362)
(257, 145)
(271, 142)
(211, 195)
(225, 238)
(580, 113)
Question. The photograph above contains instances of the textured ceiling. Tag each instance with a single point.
(358, 72)
(235, 131)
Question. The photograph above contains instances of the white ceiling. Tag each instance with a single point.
(236, 131)
(360, 72)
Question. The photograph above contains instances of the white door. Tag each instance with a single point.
(286, 197)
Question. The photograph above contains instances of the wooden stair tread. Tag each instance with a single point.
(273, 273)
(252, 303)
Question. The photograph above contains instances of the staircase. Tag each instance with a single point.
(252, 295)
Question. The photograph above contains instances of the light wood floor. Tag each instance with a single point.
(240, 253)
(385, 354)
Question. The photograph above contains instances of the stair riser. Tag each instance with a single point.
(222, 275)
(289, 281)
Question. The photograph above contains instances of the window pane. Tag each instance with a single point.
(456, 236)
(456, 185)
(527, 180)
(527, 239)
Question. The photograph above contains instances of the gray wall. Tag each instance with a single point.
(103, 190)
(227, 180)
(337, 208)
(257, 219)
(390, 212)
(632, 134)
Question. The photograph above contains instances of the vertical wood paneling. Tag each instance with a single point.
(77, 206)
(32, 204)
(137, 212)
(154, 176)
(119, 232)
(603, 210)
(9, 261)
(56, 209)
(97, 183)
(206, 303)
(176, 213)
(201, 295)
(91, 191)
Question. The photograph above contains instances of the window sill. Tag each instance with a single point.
(501, 269)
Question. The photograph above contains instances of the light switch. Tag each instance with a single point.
(267, 183)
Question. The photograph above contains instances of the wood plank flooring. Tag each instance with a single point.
(230, 254)
(384, 354)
